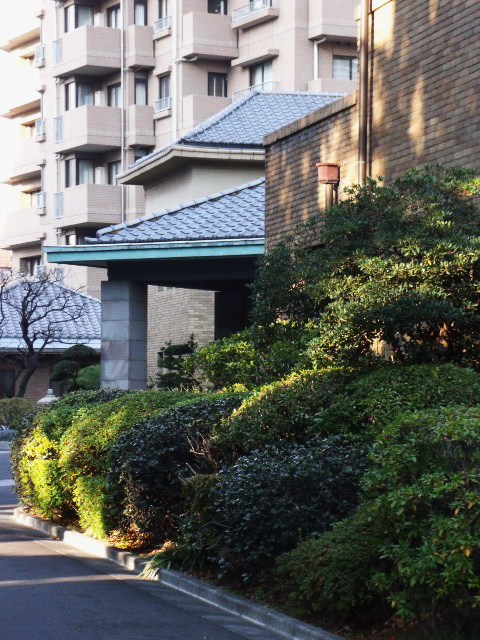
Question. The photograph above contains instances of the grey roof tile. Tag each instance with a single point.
(245, 122)
(63, 321)
(234, 214)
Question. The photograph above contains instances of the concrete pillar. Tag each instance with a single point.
(124, 335)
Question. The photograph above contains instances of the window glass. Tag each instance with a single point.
(261, 73)
(345, 68)
(140, 152)
(218, 6)
(85, 94)
(164, 87)
(113, 17)
(163, 8)
(70, 96)
(69, 18)
(141, 92)
(115, 95)
(84, 15)
(69, 173)
(85, 172)
(140, 12)
(113, 169)
(217, 85)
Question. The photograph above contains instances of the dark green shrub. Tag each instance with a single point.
(424, 487)
(149, 465)
(88, 378)
(13, 411)
(333, 575)
(284, 410)
(270, 500)
(171, 358)
(373, 399)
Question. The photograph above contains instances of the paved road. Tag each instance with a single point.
(49, 590)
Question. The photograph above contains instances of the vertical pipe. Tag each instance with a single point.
(175, 69)
(363, 93)
(122, 97)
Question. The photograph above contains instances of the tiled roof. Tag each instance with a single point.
(71, 317)
(245, 122)
(234, 214)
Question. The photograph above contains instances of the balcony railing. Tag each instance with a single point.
(162, 105)
(162, 23)
(58, 129)
(57, 205)
(251, 8)
(39, 56)
(265, 87)
(57, 52)
(40, 201)
(40, 130)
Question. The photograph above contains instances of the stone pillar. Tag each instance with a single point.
(124, 335)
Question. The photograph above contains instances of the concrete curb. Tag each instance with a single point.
(267, 618)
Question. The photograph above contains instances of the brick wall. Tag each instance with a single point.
(425, 108)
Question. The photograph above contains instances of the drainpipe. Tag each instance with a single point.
(363, 93)
(122, 95)
(175, 69)
(316, 53)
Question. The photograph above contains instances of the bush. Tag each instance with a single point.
(424, 486)
(13, 411)
(333, 575)
(270, 500)
(284, 410)
(89, 498)
(88, 378)
(373, 399)
(149, 465)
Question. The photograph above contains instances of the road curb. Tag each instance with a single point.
(271, 620)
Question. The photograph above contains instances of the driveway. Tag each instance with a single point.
(49, 590)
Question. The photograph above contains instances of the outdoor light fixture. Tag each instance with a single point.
(329, 175)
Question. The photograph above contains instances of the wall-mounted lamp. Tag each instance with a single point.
(329, 175)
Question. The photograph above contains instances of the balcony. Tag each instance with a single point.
(40, 129)
(140, 47)
(27, 163)
(93, 51)
(253, 13)
(265, 87)
(332, 20)
(162, 28)
(88, 128)
(140, 126)
(23, 228)
(197, 109)
(208, 36)
(162, 108)
(331, 85)
(88, 205)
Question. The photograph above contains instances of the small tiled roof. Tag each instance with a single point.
(245, 122)
(70, 317)
(238, 213)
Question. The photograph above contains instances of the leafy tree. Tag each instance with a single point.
(172, 372)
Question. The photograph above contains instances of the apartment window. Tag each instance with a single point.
(78, 15)
(113, 17)
(85, 172)
(345, 68)
(78, 94)
(218, 6)
(69, 173)
(163, 9)
(140, 152)
(217, 85)
(141, 88)
(29, 265)
(114, 95)
(113, 169)
(164, 87)
(140, 12)
(261, 73)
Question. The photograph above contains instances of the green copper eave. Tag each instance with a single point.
(108, 253)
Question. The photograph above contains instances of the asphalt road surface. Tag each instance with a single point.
(49, 590)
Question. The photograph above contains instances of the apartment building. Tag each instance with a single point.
(106, 81)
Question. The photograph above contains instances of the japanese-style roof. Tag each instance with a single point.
(247, 121)
(65, 316)
(238, 213)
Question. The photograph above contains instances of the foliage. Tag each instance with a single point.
(38, 308)
(88, 378)
(332, 575)
(373, 398)
(172, 358)
(393, 275)
(424, 486)
(268, 501)
(13, 411)
(283, 410)
(71, 363)
(149, 465)
(89, 499)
